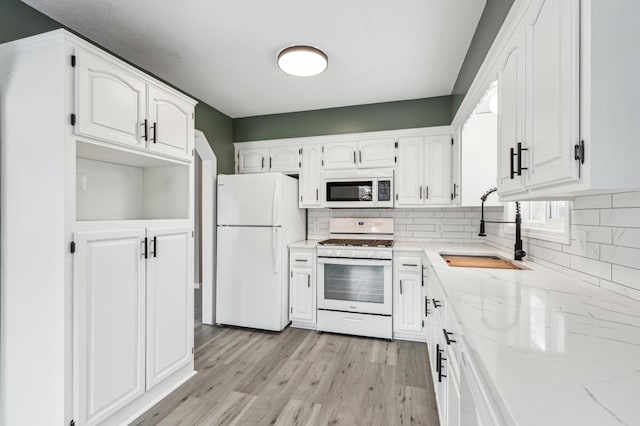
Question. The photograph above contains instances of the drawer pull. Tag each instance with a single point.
(352, 319)
(301, 260)
(410, 264)
(447, 338)
(436, 303)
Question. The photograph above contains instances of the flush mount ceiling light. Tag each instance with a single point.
(302, 61)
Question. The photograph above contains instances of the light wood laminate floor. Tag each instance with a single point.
(300, 377)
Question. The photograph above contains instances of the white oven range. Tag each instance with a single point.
(355, 277)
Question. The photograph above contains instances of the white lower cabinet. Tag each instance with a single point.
(109, 322)
(133, 315)
(169, 302)
(302, 287)
(408, 300)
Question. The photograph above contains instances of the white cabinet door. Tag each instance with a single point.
(310, 174)
(511, 115)
(410, 172)
(111, 103)
(376, 153)
(252, 160)
(109, 318)
(453, 395)
(407, 316)
(169, 302)
(170, 124)
(302, 294)
(552, 91)
(341, 155)
(437, 183)
(285, 159)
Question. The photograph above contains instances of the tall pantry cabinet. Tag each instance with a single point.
(96, 235)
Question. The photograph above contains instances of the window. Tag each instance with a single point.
(545, 220)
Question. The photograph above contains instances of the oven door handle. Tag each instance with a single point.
(354, 262)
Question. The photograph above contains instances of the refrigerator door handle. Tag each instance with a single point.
(274, 249)
(274, 207)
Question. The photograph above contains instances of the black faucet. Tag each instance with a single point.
(518, 252)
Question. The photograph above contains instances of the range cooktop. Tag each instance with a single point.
(346, 242)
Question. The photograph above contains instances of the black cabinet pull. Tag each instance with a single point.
(421, 192)
(441, 358)
(309, 281)
(270, 162)
(400, 286)
(155, 246)
(426, 190)
(436, 303)
(145, 254)
(410, 264)
(146, 130)
(438, 358)
(317, 194)
(520, 168)
(155, 132)
(301, 260)
(360, 156)
(512, 171)
(426, 307)
(446, 337)
(262, 166)
(455, 192)
(354, 157)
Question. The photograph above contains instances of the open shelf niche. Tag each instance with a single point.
(118, 185)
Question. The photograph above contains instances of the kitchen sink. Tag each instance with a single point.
(478, 261)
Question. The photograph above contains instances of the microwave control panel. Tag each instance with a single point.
(384, 190)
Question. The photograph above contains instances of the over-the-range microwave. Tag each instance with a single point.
(371, 188)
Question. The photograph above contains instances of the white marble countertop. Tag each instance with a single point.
(304, 244)
(555, 350)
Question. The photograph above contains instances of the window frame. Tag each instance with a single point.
(539, 232)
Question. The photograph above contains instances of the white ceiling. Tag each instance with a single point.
(224, 52)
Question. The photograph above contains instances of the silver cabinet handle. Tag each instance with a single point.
(400, 286)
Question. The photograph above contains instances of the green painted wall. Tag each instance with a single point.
(18, 20)
(495, 11)
(352, 119)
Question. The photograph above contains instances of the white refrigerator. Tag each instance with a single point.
(258, 216)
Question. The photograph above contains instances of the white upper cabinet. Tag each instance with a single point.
(511, 113)
(552, 91)
(285, 159)
(111, 101)
(376, 153)
(253, 160)
(310, 176)
(365, 154)
(423, 172)
(341, 155)
(410, 171)
(437, 184)
(117, 105)
(171, 124)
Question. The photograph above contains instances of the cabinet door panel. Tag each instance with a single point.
(309, 184)
(169, 302)
(285, 159)
(409, 313)
(340, 155)
(410, 171)
(252, 160)
(109, 318)
(376, 153)
(302, 294)
(111, 102)
(511, 112)
(438, 170)
(171, 124)
(552, 92)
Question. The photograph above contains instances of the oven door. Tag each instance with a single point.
(354, 285)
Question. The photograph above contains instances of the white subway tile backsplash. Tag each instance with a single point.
(585, 217)
(629, 277)
(626, 199)
(627, 237)
(624, 217)
(595, 234)
(618, 255)
(592, 202)
(591, 267)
